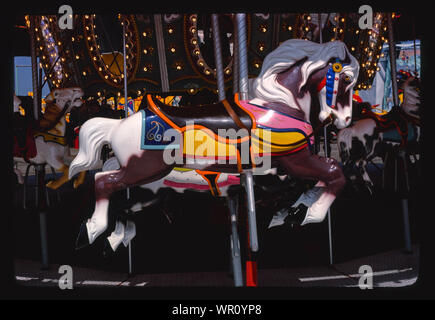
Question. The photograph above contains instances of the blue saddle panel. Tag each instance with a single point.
(394, 136)
(153, 130)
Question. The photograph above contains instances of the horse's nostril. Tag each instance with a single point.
(347, 119)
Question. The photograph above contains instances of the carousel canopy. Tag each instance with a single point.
(91, 54)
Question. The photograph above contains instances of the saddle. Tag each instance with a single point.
(222, 115)
(267, 132)
(395, 121)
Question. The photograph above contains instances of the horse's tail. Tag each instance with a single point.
(344, 142)
(94, 134)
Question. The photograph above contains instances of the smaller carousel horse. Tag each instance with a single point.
(275, 119)
(374, 135)
(47, 135)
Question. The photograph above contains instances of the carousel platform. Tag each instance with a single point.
(390, 269)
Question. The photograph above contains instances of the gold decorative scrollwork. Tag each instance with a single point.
(194, 54)
(110, 67)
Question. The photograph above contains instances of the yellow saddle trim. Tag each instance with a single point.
(198, 143)
(48, 137)
(182, 169)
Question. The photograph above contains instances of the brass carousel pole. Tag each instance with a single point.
(34, 62)
(243, 55)
(392, 48)
(235, 60)
(246, 177)
(232, 201)
(39, 168)
(404, 201)
(218, 57)
(161, 52)
(130, 262)
(325, 137)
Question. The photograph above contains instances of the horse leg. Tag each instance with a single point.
(113, 241)
(123, 233)
(55, 159)
(55, 184)
(80, 179)
(140, 170)
(81, 176)
(306, 165)
(362, 165)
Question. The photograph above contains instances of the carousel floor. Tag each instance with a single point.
(390, 269)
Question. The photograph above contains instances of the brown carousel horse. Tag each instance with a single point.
(274, 124)
(45, 139)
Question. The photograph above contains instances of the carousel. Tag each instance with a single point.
(218, 150)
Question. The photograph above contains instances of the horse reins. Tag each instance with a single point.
(314, 132)
(58, 117)
(237, 120)
(233, 115)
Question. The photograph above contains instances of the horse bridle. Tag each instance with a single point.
(60, 115)
(331, 80)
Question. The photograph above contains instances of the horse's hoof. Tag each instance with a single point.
(107, 249)
(296, 215)
(53, 185)
(77, 184)
(50, 184)
(79, 180)
(82, 238)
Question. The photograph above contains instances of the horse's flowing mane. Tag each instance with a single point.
(265, 86)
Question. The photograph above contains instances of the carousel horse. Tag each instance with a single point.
(373, 135)
(275, 119)
(48, 134)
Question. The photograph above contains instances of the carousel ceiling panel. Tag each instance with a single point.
(91, 55)
(53, 48)
(262, 40)
(148, 73)
(199, 47)
(104, 44)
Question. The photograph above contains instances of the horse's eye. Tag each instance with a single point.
(347, 79)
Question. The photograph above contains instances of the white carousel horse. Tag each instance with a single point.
(291, 76)
(366, 138)
(49, 136)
